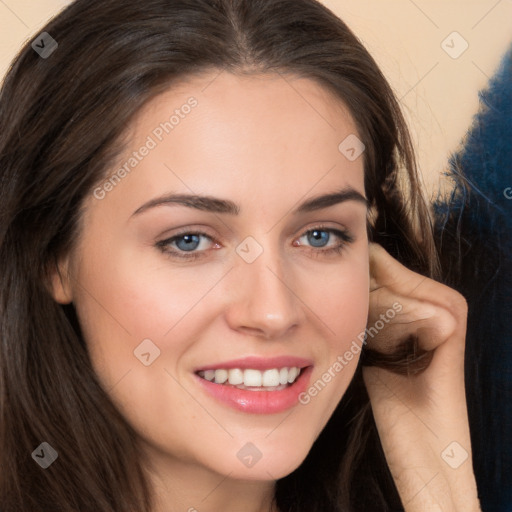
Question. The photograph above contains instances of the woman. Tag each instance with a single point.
(218, 273)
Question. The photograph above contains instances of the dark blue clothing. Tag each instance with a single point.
(474, 237)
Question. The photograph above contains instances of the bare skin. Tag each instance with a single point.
(422, 419)
(267, 143)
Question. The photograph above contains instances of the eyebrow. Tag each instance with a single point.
(217, 205)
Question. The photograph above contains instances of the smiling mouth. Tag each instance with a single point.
(274, 379)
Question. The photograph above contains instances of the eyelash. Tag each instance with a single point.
(344, 235)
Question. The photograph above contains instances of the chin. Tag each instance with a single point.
(264, 459)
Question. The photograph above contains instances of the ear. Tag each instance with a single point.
(60, 282)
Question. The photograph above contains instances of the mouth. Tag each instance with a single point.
(274, 379)
(255, 385)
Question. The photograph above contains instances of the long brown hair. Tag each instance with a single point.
(62, 120)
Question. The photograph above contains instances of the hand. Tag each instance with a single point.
(421, 417)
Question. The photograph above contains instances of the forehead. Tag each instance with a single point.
(251, 138)
(270, 106)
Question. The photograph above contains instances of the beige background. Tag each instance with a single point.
(413, 42)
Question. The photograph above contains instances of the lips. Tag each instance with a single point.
(259, 363)
(256, 385)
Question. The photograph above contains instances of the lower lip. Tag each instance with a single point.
(259, 402)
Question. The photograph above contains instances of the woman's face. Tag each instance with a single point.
(176, 295)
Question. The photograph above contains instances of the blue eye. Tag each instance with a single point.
(185, 245)
(191, 242)
(186, 242)
(316, 238)
(320, 236)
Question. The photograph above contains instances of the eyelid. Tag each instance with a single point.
(185, 231)
(341, 232)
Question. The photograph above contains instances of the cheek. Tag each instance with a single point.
(340, 297)
(352, 313)
(135, 290)
(342, 304)
(120, 302)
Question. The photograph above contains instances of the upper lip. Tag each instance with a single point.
(259, 363)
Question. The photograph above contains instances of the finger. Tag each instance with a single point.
(393, 319)
(387, 271)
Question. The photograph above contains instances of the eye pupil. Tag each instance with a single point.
(191, 242)
(316, 236)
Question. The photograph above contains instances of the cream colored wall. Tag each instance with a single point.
(437, 86)
(439, 93)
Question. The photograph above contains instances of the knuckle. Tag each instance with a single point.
(458, 303)
(449, 296)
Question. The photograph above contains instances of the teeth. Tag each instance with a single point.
(236, 376)
(292, 374)
(252, 378)
(221, 376)
(209, 375)
(273, 378)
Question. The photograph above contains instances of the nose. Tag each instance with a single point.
(262, 299)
